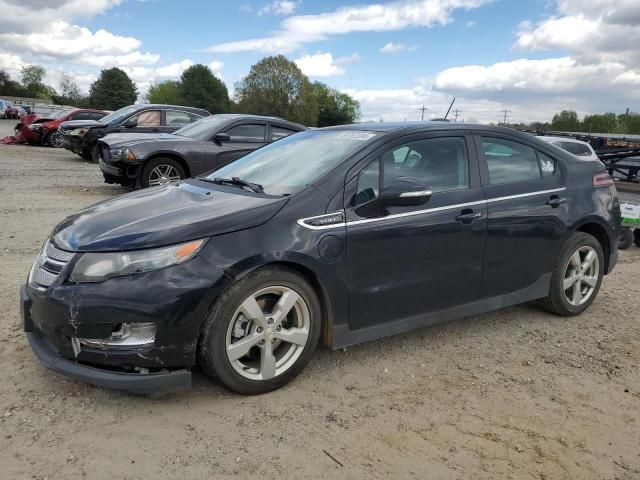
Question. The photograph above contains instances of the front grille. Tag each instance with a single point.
(48, 266)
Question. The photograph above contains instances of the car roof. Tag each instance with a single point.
(162, 106)
(550, 138)
(235, 116)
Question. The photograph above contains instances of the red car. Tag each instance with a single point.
(44, 130)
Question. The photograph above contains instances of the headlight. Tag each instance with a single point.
(35, 126)
(122, 154)
(78, 131)
(97, 267)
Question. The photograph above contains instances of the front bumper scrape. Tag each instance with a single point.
(133, 382)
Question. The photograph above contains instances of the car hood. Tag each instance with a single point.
(120, 140)
(73, 124)
(164, 215)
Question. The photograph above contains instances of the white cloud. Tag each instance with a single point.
(470, 24)
(319, 65)
(393, 47)
(173, 69)
(216, 66)
(12, 64)
(295, 31)
(279, 7)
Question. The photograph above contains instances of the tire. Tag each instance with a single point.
(168, 169)
(244, 374)
(626, 238)
(95, 154)
(557, 301)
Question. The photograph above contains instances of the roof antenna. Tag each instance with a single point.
(447, 114)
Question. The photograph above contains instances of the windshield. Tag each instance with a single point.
(292, 163)
(119, 115)
(202, 129)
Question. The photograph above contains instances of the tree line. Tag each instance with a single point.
(569, 121)
(274, 86)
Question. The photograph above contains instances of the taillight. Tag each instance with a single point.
(602, 179)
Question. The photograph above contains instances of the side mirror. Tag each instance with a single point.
(221, 137)
(399, 192)
(405, 192)
(131, 123)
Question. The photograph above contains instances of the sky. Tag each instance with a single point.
(530, 57)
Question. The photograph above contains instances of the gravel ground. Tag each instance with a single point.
(516, 393)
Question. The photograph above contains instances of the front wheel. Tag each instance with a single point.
(261, 332)
(52, 139)
(161, 171)
(577, 276)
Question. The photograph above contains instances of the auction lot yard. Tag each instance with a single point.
(517, 393)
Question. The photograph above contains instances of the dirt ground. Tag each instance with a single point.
(517, 393)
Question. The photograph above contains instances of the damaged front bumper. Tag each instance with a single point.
(95, 332)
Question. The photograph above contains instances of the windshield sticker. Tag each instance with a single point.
(361, 136)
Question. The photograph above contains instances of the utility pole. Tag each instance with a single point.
(423, 108)
(456, 114)
(506, 112)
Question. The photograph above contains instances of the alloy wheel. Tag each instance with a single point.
(581, 275)
(163, 174)
(268, 333)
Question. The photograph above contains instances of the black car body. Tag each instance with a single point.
(357, 232)
(82, 136)
(212, 142)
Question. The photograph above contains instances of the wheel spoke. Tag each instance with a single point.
(575, 259)
(589, 259)
(252, 311)
(577, 294)
(297, 336)
(590, 280)
(284, 305)
(267, 361)
(241, 348)
(568, 282)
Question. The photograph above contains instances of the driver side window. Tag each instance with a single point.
(441, 164)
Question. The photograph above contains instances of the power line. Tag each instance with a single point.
(423, 108)
(456, 114)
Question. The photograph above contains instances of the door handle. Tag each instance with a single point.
(468, 216)
(555, 201)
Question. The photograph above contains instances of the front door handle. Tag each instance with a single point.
(556, 201)
(467, 216)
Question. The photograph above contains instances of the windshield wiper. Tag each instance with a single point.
(236, 182)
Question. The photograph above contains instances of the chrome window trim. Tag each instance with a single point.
(302, 221)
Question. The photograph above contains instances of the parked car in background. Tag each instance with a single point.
(30, 126)
(340, 235)
(81, 136)
(3, 108)
(45, 130)
(149, 159)
(576, 147)
(15, 111)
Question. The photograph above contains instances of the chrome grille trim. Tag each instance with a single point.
(42, 273)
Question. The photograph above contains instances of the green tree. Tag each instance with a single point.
(276, 86)
(628, 123)
(112, 90)
(10, 87)
(334, 107)
(200, 88)
(566, 121)
(32, 78)
(69, 89)
(605, 123)
(167, 92)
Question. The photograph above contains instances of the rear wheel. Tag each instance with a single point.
(161, 171)
(626, 238)
(577, 276)
(261, 332)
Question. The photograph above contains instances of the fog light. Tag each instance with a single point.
(128, 335)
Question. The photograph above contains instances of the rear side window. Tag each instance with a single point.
(177, 119)
(547, 165)
(509, 161)
(280, 132)
(249, 133)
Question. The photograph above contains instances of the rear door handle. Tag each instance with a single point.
(555, 202)
(468, 216)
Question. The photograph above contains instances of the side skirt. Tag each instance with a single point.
(343, 336)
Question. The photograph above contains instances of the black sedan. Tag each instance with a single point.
(81, 136)
(147, 160)
(337, 235)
